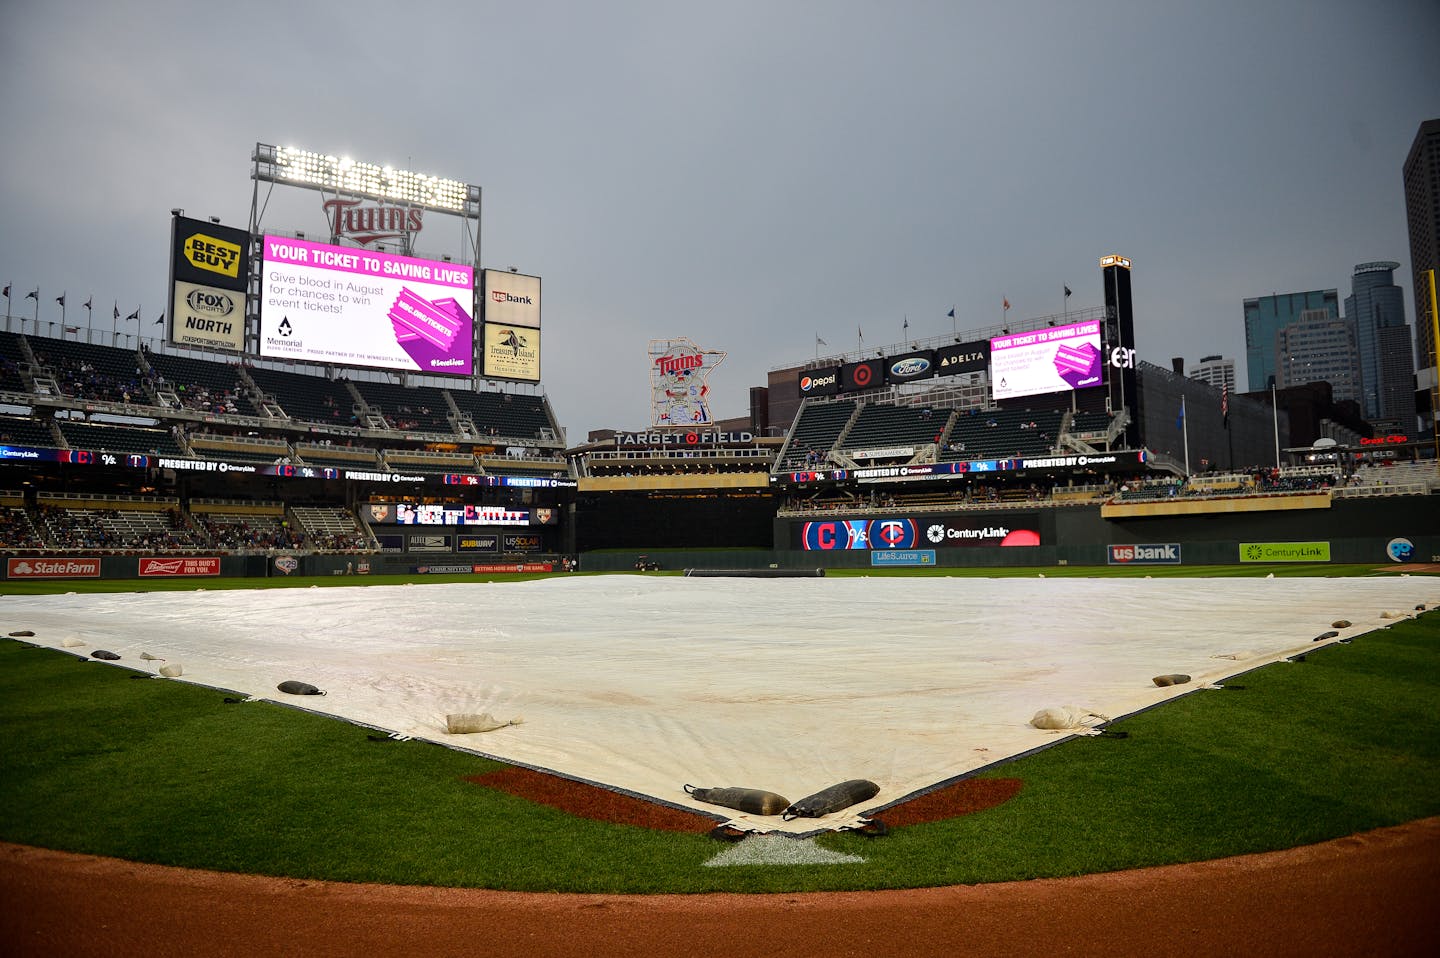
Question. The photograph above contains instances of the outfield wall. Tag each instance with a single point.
(1344, 531)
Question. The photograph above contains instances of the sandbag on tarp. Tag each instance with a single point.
(1173, 678)
(22, 634)
(1065, 717)
(753, 801)
(463, 723)
(105, 654)
(832, 799)
(292, 687)
(172, 670)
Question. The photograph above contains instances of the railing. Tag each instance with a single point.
(1371, 491)
(107, 497)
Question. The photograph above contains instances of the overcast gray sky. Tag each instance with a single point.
(750, 175)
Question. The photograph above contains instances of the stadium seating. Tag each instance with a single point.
(506, 415)
(308, 398)
(17, 532)
(259, 526)
(1089, 423)
(330, 529)
(408, 408)
(200, 384)
(12, 360)
(815, 431)
(1002, 434)
(883, 425)
(87, 371)
(114, 524)
(27, 432)
(119, 439)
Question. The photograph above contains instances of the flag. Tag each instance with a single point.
(906, 324)
(951, 314)
(117, 311)
(860, 332)
(1067, 292)
(1006, 301)
(34, 294)
(161, 320)
(61, 300)
(819, 341)
(88, 302)
(7, 290)
(1180, 419)
(1225, 405)
(135, 315)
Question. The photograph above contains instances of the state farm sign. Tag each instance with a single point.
(52, 568)
(182, 566)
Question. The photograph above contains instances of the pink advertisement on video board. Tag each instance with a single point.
(1054, 359)
(358, 307)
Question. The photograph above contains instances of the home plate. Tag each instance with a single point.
(780, 850)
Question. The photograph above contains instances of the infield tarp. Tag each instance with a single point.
(648, 683)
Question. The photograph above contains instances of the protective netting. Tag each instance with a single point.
(790, 685)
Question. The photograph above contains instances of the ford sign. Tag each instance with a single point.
(910, 367)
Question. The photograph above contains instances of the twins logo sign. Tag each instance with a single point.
(858, 534)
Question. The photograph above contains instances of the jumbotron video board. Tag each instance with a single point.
(1050, 360)
(360, 307)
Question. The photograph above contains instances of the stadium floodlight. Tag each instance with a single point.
(297, 167)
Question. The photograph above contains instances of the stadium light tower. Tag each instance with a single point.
(344, 177)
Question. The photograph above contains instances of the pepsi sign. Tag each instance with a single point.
(820, 382)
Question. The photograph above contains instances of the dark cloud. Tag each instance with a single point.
(749, 174)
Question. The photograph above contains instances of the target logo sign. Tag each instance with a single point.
(861, 375)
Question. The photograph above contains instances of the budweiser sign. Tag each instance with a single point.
(52, 568)
(366, 224)
(180, 566)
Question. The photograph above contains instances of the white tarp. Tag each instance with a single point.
(788, 685)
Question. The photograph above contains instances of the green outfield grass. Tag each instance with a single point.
(165, 772)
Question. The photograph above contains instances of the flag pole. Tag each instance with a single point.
(1275, 413)
(1185, 430)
